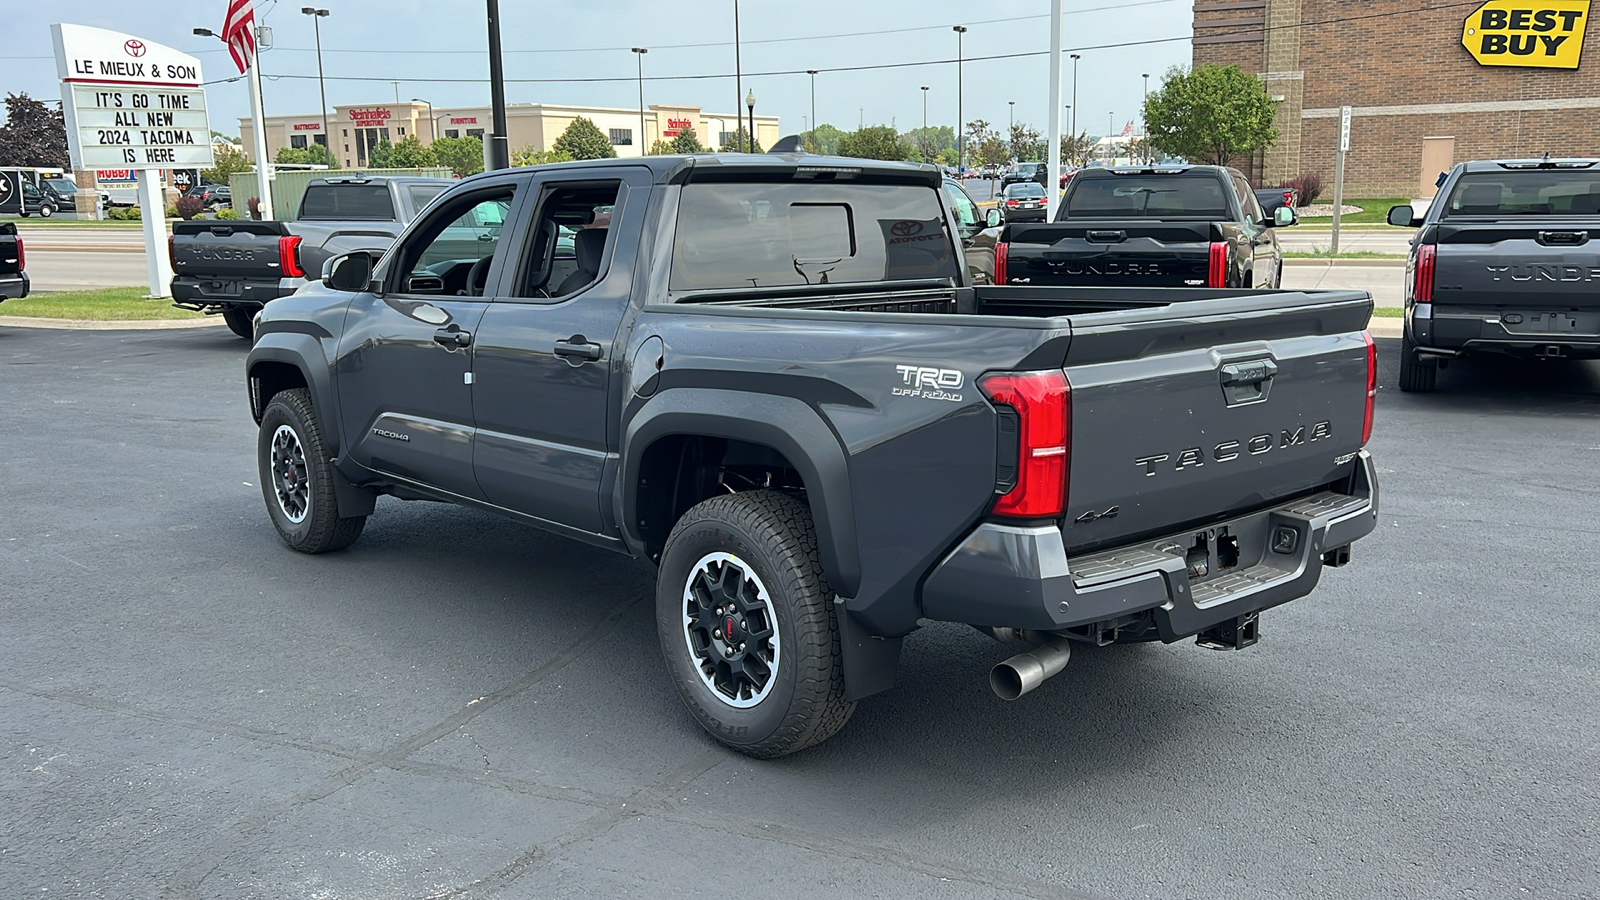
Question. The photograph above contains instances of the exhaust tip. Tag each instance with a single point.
(1006, 682)
(1012, 678)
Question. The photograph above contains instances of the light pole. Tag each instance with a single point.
(1111, 146)
(813, 74)
(317, 15)
(738, 70)
(1074, 104)
(1068, 108)
(750, 102)
(1013, 105)
(433, 124)
(961, 124)
(1144, 127)
(639, 53)
(499, 147)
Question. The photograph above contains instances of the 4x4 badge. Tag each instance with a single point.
(1092, 516)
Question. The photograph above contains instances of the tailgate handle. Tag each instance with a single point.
(1563, 238)
(221, 230)
(1247, 382)
(1105, 237)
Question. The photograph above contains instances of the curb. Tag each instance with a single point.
(108, 325)
(36, 246)
(1327, 263)
(1387, 326)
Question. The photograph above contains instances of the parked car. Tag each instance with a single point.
(1067, 171)
(1273, 198)
(236, 267)
(35, 202)
(1023, 201)
(1028, 171)
(212, 195)
(1187, 226)
(785, 394)
(1504, 262)
(13, 263)
(63, 193)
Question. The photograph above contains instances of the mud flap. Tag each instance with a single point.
(869, 662)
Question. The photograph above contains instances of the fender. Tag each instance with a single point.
(785, 424)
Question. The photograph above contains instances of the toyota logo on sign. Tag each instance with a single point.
(905, 229)
(134, 48)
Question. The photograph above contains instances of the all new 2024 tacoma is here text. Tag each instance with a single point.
(771, 377)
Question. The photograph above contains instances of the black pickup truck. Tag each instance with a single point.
(13, 264)
(771, 377)
(1507, 261)
(1166, 226)
(236, 267)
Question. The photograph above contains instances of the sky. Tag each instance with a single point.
(437, 50)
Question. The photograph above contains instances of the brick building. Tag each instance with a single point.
(1422, 102)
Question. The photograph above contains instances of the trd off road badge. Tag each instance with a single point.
(929, 383)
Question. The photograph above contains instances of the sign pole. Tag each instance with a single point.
(153, 215)
(1338, 175)
(1053, 192)
(258, 119)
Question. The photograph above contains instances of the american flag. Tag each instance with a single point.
(239, 30)
(1127, 129)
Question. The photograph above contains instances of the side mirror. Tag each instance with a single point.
(1284, 216)
(991, 219)
(351, 272)
(1403, 217)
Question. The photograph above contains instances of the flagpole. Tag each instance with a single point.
(259, 121)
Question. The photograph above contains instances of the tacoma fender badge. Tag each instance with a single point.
(391, 435)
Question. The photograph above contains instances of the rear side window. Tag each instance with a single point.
(347, 201)
(1545, 192)
(1155, 196)
(423, 194)
(761, 235)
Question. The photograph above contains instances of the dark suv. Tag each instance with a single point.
(1028, 171)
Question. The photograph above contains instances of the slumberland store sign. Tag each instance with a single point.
(1540, 34)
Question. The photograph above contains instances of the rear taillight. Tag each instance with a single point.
(22, 255)
(1001, 251)
(1011, 203)
(1422, 285)
(1041, 404)
(1217, 265)
(172, 250)
(289, 256)
(1372, 386)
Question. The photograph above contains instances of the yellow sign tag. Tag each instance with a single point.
(1540, 34)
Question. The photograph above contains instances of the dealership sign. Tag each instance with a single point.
(1541, 34)
(674, 126)
(130, 103)
(374, 115)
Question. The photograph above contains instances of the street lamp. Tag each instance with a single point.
(1074, 106)
(738, 70)
(639, 53)
(433, 124)
(961, 124)
(1144, 127)
(1111, 145)
(317, 15)
(750, 101)
(813, 74)
(1013, 105)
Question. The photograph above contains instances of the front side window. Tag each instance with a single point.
(1541, 192)
(760, 235)
(451, 253)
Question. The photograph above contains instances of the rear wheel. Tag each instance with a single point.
(1417, 375)
(748, 627)
(240, 322)
(297, 477)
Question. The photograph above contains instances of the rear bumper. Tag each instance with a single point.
(1021, 577)
(1531, 332)
(14, 287)
(202, 295)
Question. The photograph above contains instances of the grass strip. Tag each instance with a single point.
(102, 305)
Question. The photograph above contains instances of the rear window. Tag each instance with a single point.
(1025, 189)
(1156, 196)
(1545, 192)
(347, 201)
(784, 234)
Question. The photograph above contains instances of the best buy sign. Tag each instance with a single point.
(1543, 34)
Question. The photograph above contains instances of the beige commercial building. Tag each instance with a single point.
(357, 129)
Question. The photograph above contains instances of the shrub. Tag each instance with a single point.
(125, 213)
(189, 207)
(171, 212)
(1308, 186)
(227, 215)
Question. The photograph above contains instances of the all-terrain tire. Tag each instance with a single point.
(240, 322)
(771, 544)
(1417, 376)
(297, 477)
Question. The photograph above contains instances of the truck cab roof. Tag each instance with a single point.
(680, 168)
(1544, 162)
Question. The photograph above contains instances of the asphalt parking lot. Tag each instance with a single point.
(462, 707)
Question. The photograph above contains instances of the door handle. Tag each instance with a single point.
(452, 338)
(577, 349)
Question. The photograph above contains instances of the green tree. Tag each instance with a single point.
(381, 155)
(932, 141)
(660, 147)
(823, 139)
(528, 156)
(583, 140)
(685, 141)
(739, 142)
(225, 161)
(34, 134)
(315, 155)
(873, 142)
(991, 151)
(1076, 150)
(410, 154)
(1025, 143)
(1211, 114)
(463, 155)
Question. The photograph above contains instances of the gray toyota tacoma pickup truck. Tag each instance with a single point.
(1506, 261)
(235, 267)
(770, 377)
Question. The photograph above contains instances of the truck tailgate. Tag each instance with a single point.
(227, 251)
(1551, 265)
(1181, 419)
(1112, 252)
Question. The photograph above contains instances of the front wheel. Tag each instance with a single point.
(748, 627)
(297, 477)
(46, 211)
